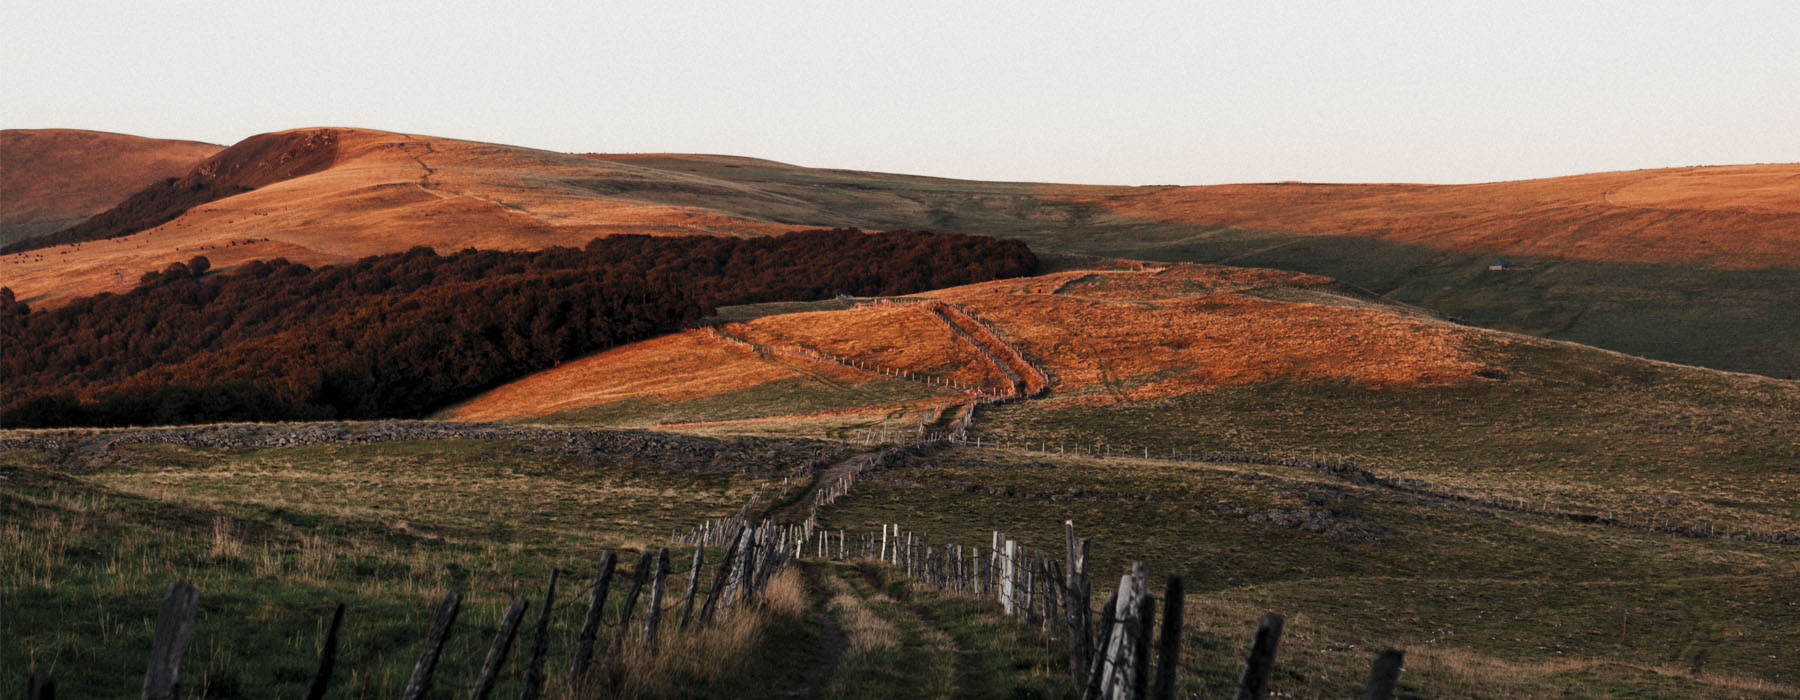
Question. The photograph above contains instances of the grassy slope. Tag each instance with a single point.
(1487, 603)
(55, 178)
(1687, 293)
(274, 536)
(1690, 265)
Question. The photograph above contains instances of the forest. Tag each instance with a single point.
(404, 334)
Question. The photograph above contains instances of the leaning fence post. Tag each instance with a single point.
(1169, 651)
(653, 609)
(1254, 683)
(1091, 686)
(1385, 675)
(327, 657)
(496, 656)
(639, 575)
(590, 625)
(1119, 679)
(540, 643)
(720, 577)
(420, 683)
(174, 626)
(693, 588)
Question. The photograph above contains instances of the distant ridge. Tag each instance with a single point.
(252, 163)
(56, 178)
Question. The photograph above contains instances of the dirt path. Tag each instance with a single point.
(832, 640)
(967, 660)
(797, 510)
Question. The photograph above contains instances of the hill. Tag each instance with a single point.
(330, 195)
(402, 334)
(1690, 265)
(1693, 265)
(56, 178)
(1201, 360)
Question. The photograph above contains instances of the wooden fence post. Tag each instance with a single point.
(653, 610)
(1006, 577)
(1078, 595)
(1146, 627)
(720, 578)
(1169, 651)
(1253, 684)
(693, 588)
(1385, 675)
(533, 684)
(639, 575)
(1091, 683)
(1118, 673)
(174, 626)
(590, 624)
(327, 657)
(420, 683)
(497, 651)
(40, 688)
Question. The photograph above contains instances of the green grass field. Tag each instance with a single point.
(1487, 603)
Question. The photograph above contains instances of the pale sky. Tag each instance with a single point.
(1104, 92)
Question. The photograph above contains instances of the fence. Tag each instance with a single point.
(754, 554)
(1110, 660)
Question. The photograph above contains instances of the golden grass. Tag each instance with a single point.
(667, 369)
(699, 657)
(1729, 217)
(1139, 335)
(56, 178)
(385, 193)
(1101, 336)
(902, 337)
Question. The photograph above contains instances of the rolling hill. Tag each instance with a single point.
(56, 178)
(1693, 265)
(1209, 360)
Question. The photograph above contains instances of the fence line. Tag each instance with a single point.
(1055, 598)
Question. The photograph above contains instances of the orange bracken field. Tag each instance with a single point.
(1102, 337)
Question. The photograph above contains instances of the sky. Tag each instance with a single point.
(1126, 93)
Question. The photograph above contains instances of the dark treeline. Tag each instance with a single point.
(405, 334)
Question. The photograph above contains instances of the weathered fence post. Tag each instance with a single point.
(1169, 651)
(497, 651)
(1385, 675)
(1253, 684)
(639, 575)
(1119, 679)
(653, 611)
(420, 683)
(533, 685)
(720, 578)
(1078, 596)
(1091, 683)
(1146, 627)
(590, 623)
(1007, 569)
(693, 588)
(40, 688)
(174, 626)
(327, 657)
